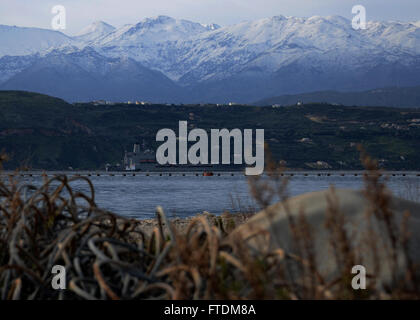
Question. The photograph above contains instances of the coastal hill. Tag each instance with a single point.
(42, 132)
(389, 97)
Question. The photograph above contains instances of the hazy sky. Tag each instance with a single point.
(37, 13)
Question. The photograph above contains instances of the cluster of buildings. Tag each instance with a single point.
(111, 103)
(299, 103)
(144, 103)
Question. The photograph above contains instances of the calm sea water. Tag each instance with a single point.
(137, 196)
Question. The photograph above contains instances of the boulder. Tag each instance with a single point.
(328, 212)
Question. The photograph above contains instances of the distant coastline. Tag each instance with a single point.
(48, 133)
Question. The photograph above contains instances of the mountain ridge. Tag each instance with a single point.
(244, 62)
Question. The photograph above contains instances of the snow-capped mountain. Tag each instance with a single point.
(247, 61)
(94, 31)
(19, 41)
(153, 30)
(154, 42)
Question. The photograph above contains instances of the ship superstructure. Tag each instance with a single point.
(139, 159)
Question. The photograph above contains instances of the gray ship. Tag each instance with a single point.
(145, 161)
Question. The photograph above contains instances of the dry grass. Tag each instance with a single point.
(110, 257)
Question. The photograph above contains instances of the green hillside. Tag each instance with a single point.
(41, 132)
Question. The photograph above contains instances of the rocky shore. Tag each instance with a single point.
(227, 221)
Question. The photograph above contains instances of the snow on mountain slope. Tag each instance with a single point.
(212, 26)
(269, 44)
(94, 31)
(154, 42)
(189, 52)
(395, 35)
(153, 30)
(19, 41)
